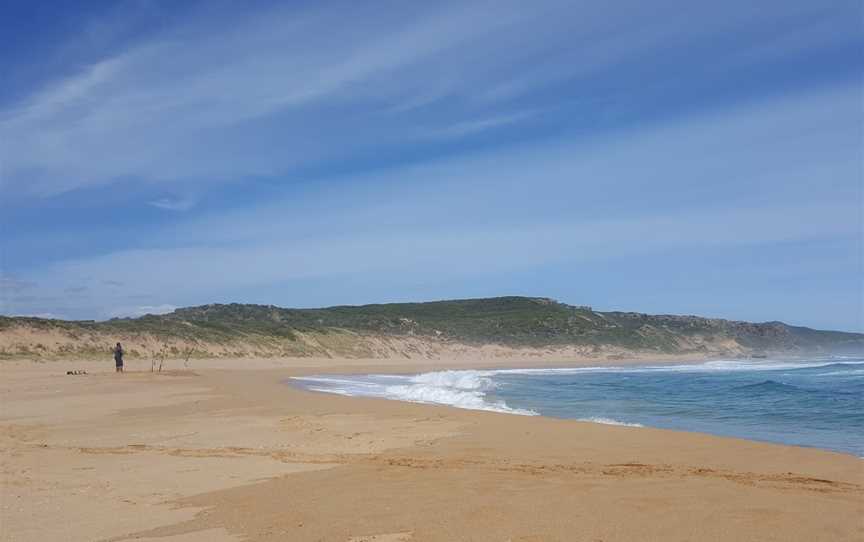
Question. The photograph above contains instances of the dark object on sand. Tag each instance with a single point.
(76, 372)
(118, 358)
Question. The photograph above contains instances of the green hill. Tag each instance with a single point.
(384, 329)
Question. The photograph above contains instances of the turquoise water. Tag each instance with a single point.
(816, 402)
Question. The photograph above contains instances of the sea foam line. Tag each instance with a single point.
(703, 367)
(462, 389)
(472, 389)
(609, 421)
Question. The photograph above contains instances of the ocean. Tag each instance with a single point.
(804, 402)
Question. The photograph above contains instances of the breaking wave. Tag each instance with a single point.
(474, 389)
(470, 390)
(805, 402)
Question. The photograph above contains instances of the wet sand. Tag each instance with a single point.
(225, 450)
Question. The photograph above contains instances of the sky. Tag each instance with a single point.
(664, 157)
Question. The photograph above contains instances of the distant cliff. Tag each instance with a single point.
(495, 327)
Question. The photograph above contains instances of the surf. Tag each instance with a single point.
(807, 402)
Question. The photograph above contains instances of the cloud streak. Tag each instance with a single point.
(296, 152)
(475, 126)
(174, 203)
(573, 204)
(268, 92)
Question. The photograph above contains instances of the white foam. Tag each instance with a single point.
(852, 373)
(459, 380)
(333, 390)
(461, 389)
(708, 366)
(471, 400)
(610, 421)
(471, 389)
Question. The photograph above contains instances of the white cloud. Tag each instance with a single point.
(709, 181)
(174, 203)
(256, 95)
(468, 127)
(156, 110)
(236, 95)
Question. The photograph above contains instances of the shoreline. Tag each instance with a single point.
(587, 420)
(220, 452)
(359, 388)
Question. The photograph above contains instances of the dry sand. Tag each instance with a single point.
(226, 451)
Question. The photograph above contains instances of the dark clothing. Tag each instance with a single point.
(118, 357)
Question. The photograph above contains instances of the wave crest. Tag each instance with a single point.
(461, 389)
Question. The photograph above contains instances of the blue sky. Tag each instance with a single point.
(665, 157)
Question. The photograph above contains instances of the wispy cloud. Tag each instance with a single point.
(13, 285)
(174, 203)
(428, 143)
(461, 129)
(492, 214)
(236, 94)
(75, 290)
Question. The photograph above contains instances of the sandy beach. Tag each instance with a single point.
(225, 450)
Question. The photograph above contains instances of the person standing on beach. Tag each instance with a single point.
(118, 358)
